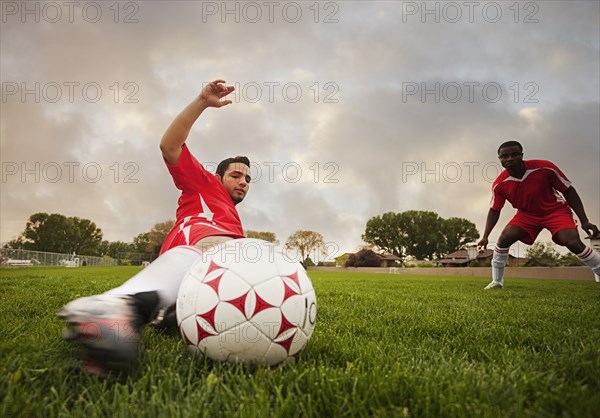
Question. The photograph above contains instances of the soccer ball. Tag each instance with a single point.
(245, 301)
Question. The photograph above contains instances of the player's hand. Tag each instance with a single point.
(482, 244)
(591, 229)
(213, 92)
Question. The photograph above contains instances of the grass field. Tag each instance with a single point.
(384, 345)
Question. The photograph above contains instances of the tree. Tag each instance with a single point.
(115, 249)
(422, 234)
(543, 255)
(18, 243)
(423, 237)
(305, 242)
(44, 232)
(267, 236)
(141, 243)
(157, 235)
(341, 260)
(387, 233)
(363, 258)
(87, 237)
(458, 232)
(57, 233)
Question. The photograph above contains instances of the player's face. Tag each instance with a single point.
(510, 157)
(236, 181)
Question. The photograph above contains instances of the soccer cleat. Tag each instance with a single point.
(166, 318)
(107, 327)
(493, 285)
(597, 278)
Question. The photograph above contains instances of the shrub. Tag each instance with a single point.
(363, 258)
(570, 260)
(542, 255)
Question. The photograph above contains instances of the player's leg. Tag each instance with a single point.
(510, 234)
(108, 325)
(165, 317)
(163, 275)
(564, 232)
(569, 237)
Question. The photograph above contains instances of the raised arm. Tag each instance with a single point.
(573, 199)
(177, 133)
(490, 223)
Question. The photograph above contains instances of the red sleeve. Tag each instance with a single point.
(188, 174)
(498, 197)
(558, 179)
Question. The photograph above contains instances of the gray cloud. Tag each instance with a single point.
(384, 146)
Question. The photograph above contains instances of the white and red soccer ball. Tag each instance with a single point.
(244, 301)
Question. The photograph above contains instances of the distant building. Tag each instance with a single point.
(388, 260)
(385, 260)
(463, 258)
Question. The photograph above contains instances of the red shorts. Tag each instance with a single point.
(554, 222)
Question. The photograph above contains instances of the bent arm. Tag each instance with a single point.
(178, 131)
(490, 223)
(573, 199)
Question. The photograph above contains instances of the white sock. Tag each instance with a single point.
(163, 275)
(499, 260)
(592, 259)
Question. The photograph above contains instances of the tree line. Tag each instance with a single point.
(420, 234)
(58, 233)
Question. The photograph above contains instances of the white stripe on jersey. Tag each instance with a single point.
(563, 180)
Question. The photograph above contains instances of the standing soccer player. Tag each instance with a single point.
(108, 325)
(532, 187)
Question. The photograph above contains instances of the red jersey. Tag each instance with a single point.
(204, 208)
(536, 193)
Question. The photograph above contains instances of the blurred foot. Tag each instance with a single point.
(107, 327)
(166, 318)
(493, 285)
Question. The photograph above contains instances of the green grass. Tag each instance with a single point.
(384, 345)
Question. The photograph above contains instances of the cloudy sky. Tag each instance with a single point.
(348, 110)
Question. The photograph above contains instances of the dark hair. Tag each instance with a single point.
(223, 165)
(510, 144)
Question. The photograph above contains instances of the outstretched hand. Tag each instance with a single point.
(482, 244)
(591, 229)
(213, 92)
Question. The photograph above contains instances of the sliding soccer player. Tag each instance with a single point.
(108, 325)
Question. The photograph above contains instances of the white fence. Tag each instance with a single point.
(24, 258)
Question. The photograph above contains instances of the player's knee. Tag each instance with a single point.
(571, 241)
(572, 244)
(504, 241)
(575, 246)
